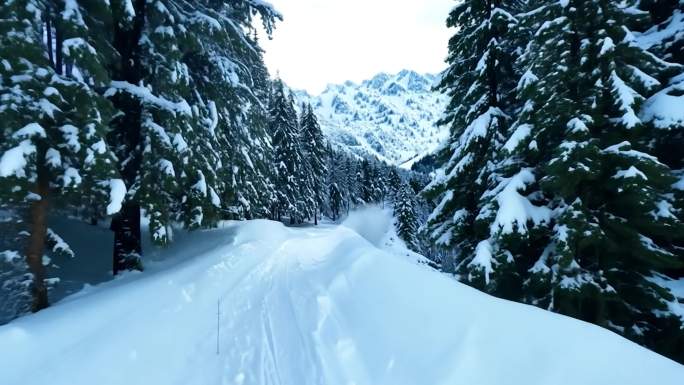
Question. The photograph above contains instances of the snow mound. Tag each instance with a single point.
(309, 306)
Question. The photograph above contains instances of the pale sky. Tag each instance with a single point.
(330, 41)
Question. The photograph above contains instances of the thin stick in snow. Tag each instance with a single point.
(218, 324)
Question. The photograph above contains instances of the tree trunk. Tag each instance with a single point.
(59, 58)
(48, 28)
(127, 239)
(36, 242)
(126, 138)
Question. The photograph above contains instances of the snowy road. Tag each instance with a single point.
(306, 306)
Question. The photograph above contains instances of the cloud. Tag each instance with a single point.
(330, 41)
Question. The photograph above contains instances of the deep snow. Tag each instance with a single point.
(328, 305)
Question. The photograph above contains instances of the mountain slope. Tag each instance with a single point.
(324, 305)
(391, 117)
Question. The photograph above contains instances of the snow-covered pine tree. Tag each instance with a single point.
(287, 155)
(480, 82)
(314, 150)
(334, 201)
(393, 182)
(665, 38)
(182, 77)
(584, 174)
(306, 183)
(231, 85)
(54, 122)
(371, 187)
(352, 185)
(405, 216)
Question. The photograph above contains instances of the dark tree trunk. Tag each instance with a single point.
(59, 40)
(48, 28)
(127, 239)
(126, 139)
(36, 242)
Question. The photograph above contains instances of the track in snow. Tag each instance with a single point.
(304, 307)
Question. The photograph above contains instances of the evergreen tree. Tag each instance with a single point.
(394, 183)
(288, 158)
(612, 228)
(405, 216)
(664, 37)
(314, 150)
(480, 82)
(565, 204)
(335, 201)
(54, 154)
(181, 79)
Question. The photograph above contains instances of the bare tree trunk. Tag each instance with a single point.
(36, 242)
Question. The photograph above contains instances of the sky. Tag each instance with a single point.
(324, 42)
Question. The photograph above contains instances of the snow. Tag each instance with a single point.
(607, 46)
(676, 287)
(576, 125)
(631, 172)
(527, 79)
(214, 118)
(117, 193)
(30, 130)
(483, 258)
(72, 12)
(627, 98)
(14, 161)
(515, 210)
(215, 200)
(674, 29)
(664, 108)
(201, 185)
(679, 185)
(60, 246)
(53, 158)
(618, 150)
(144, 94)
(180, 143)
(71, 177)
(72, 46)
(70, 134)
(129, 9)
(521, 133)
(322, 305)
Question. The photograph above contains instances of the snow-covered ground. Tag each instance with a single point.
(328, 305)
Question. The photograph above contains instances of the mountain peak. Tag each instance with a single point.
(389, 116)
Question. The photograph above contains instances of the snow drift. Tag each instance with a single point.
(309, 306)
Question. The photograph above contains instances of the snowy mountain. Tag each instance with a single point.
(331, 305)
(389, 116)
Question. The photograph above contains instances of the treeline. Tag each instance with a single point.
(562, 183)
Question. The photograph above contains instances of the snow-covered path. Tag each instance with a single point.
(309, 306)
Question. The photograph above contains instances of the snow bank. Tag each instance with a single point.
(309, 306)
